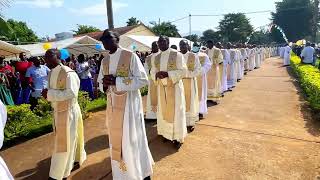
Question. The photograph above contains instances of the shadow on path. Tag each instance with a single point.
(42, 168)
(97, 144)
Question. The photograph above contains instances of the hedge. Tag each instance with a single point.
(309, 78)
(23, 124)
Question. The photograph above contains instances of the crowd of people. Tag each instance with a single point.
(180, 83)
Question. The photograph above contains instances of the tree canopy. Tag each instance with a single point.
(193, 37)
(83, 29)
(235, 27)
(210, 35)
(295, 18)
(165, 28)
(133, 21)
(19, 32)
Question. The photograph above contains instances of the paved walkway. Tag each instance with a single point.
(261, 130)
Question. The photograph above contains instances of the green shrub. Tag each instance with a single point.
(144, 91)
(22, 122)
(309, 78)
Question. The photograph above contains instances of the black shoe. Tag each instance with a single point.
(164, 140)
(238, 80)
(147, 178)
(222, 95)
(190, 129)
(201, 117)
(76, 166)
(177, 144)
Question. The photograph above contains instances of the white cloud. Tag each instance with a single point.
(98, 9)
(41, 3)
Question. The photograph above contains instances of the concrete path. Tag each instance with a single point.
(261, 130)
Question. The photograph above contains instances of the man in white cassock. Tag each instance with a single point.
(244, 57)
(151, 107)
(251, 61)
(190, 84)
(121, 76)
(232, 71)
(202, 79)
(226, 60)
(282, 51)
(286, 55)
(257, 57)
(214, 80)
(62, 92)
(168, 70)
(4, 171)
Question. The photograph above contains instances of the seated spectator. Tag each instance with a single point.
(38, 80)
(307, 54)
(83, 70)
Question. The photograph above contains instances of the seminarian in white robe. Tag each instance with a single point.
(251, 61)
(214, 80)
(171, 114)
(238, 65)
(258, 57)
(151, 106)
(286, 55)
(244, 57)
(4, 171)
(232, 71)
(63, 91)
(191, 88)
(206, 64)
(131, 158)
(226, 62)
(282, 50)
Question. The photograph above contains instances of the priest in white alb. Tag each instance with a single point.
(190, 84)
(202, 79)
(168, 70)
(226, 60)
(214, 80)
(62, 92)
(151, 106)
(121, 76)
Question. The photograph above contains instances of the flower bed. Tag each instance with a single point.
(309, 78)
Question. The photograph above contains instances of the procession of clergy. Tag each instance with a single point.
(179, 85)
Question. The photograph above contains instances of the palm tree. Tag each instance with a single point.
(110, 13)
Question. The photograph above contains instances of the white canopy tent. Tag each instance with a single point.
(143, 43)
(77, 45)
(9, 50)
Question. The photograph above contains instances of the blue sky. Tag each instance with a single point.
(47, 17)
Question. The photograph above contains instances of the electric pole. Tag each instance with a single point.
(110, 14)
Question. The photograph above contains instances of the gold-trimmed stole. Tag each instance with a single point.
(188, 81)
(116, 105)
(61, 111)
(167, 91)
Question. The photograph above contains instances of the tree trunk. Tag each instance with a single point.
(110, 14)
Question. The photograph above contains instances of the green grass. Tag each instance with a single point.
(97, 105)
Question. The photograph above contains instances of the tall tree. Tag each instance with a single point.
(211, 35)
(4, 27)
(235, 27)
(192, 37)
(277, 36)
(295, 17)
(261, 37)
(20, 32)
(165, 28)
(133, 21)
(83, 29)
